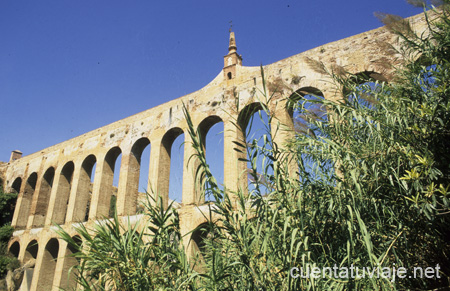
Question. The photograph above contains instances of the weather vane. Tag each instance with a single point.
(231, 25)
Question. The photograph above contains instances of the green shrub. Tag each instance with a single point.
(7, 203)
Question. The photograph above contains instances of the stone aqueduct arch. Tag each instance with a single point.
(54, 185)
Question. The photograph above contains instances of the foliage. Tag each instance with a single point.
(120, 256)
(371, 191)
(112, 205)
(7, 202)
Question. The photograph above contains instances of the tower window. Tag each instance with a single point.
(230, 76)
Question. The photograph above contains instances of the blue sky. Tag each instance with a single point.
(68, 67)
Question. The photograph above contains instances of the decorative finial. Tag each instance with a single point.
(231, 25)
(232, 46)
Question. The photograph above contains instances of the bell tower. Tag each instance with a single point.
(232, 59)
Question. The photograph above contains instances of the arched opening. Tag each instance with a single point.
(84, 189)
(308, 114)
(29, 259)
(31, 251)
(247, 114)
(68, 278)
(198, 238)
(305, 109)
(212, 132)
(27, 197)
(368, 83)
(15, 187)
(48, 266)
(14, 249)
(63, 193)
(171, 165)
(110, 181)
(229, 75)
(198, 244)
(115, 186)
(138, 168)
(254, 124)
(44, 197)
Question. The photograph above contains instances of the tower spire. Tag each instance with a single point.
(232, 59)
(232, 47)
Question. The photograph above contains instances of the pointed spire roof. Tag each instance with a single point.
(232, 47)
(232, 59)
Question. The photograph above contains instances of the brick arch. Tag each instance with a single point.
(133, 172)
(43, 198)
(246, 113)
(139, 146)
(16, 185)
(203, 129)
(197, 240)
(106, 185)
(243, 121)
(77, 239)
(84, 189)
(301, 93)
(206, 124)
(14, 248)
(170, 136)
(164, 162)
(63, 192)
(300, 119)
(369, 75)
(31, 251)
(362, 77)
(48, 265)
(26, 197)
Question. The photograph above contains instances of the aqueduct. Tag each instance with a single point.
(72, 182)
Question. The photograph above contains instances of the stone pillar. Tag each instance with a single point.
(282, 129)
(102, 183)
(235, 171)
(37, 267)
(45, 268)
(186, 219)
(23, 249)
(128, 185)
(34, 202)
(191, 185)
(21, 203)
(159, 172)
(78, 193)
(65, 261)
(49, 217)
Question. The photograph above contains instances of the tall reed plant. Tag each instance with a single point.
(369, 191)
